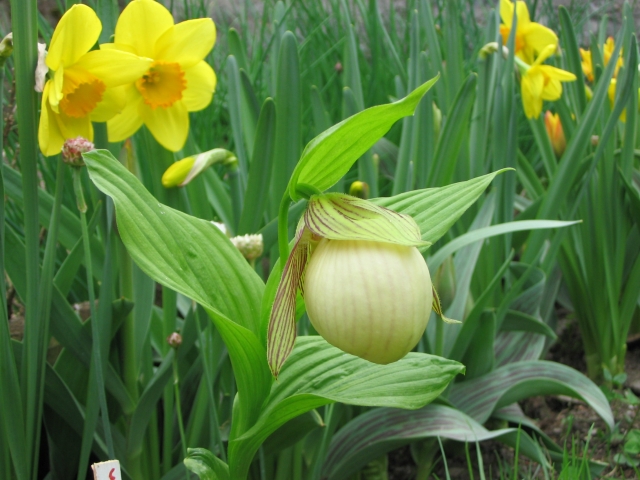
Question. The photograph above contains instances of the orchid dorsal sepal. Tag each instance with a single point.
(437, 307)
(332, 217)
(183, 171)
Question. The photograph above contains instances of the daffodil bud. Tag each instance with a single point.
(6, 47)
(437, 120)
(370, 299)
(183, 171)
(556, 134)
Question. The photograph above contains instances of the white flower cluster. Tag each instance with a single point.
(250, 246)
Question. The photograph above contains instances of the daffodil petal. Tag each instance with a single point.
(114, 67)
(125, 124)
(118, 46)
(75, 34)
(141, 24)
(55, 92)
(50, 138)
(169, 126)
(538, 36)
(187, 42)
(522, 13)
(545, 53)
(113, 103)
(552, 90)
(201, 83)
(557, 73)
(72, 127)
(531, 87)
(506, 12)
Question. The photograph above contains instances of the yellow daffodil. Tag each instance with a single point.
(555, 132)
(84, 85)
(612, 97)
(542, 82)
(531, 37)
(178, 81)
(607, 50)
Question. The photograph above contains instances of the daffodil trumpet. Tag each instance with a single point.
(366, 287)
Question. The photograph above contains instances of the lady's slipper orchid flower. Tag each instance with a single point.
(84, 85)
(178, 81)
(556, 134)
(542, 82)
(607, 50)
(366, 286)
(531, 37)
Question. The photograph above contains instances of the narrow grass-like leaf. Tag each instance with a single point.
(487, 232)
(570, 48)
(257, 193)
(330, 155)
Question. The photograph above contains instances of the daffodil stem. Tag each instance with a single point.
(283, 229)
(176, 391)
(95, 328)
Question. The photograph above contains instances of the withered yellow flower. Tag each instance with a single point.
(554, 129)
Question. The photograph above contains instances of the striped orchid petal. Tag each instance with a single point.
(337, 216)
(281, 334)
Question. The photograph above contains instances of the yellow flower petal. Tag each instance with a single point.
(113, 102)
(50, 138)
(506, 12)
(522, 13)
(140, 25)
(75, 34)
(552, 90)
(201, 83)
(587, 66)
(169, 126)
(557, 73)
(71, 127)
(125, 124)
(538, 36)
(114, 67)
(531, 87)
(187, 43)
(55, 94)
(545, 53)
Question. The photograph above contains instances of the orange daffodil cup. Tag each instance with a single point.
(531, 38)
(178, 80)
(83, 85)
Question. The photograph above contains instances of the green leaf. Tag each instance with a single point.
(435, 210)
(487, 232)
(206, 465)
(317, 374)
(194, 258)
(515, 321)
(257, 193)
(330, 155)
(520, 380)
(384, 429)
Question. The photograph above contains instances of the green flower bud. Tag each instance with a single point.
(6, 48)
(370, 299)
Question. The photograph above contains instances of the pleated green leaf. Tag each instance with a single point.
(332, 153)
(381, 430)
(194, 258)
(435, 210)
(317, 374)
(206, 465)
(480, 397)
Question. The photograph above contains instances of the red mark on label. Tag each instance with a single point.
(111, 475)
